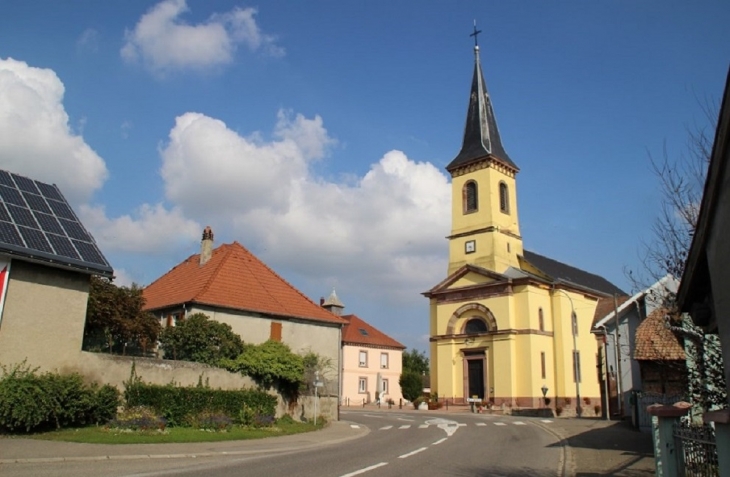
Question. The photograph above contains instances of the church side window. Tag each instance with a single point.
(503, 198)
(475, 326)
(470, 197)
(541, 320)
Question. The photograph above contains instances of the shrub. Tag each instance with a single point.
(547, 401)
(31, 401)
(558, 410)
(587, 400)
(597, 409)
(214, 421)
(200, 339)
(411, 385)
(178, 404)
(270, 363)
(285, 419)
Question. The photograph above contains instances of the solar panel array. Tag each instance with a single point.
(37, 222)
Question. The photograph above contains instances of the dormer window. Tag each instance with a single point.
(503, 198)
(470, 197)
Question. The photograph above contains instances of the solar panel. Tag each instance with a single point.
(36, 222)
(88, 251)
(36, 202)
(22, 216)
(5, 179)
(9, 234)
(25, 184)
(11, 196)
(35, 239)
(4, 214)
(75, 230)
(61, 209)
(62, 246)
(49, 223)
(49, 191)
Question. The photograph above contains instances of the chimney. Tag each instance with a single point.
(321, 301)
(206, 246)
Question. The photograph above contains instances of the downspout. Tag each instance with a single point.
(617, 343)
(605, 372)
(339, 374)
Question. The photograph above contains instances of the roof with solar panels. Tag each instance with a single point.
(37, 224)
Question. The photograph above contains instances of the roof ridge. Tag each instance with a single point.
(256, 277)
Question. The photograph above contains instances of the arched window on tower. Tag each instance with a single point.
(470, 197)
(475, 326)
(503, 198)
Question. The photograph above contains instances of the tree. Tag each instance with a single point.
(415, 361)
(199, 339)
(271, 363)
(411, 385)
(681, 182)
(115, 320)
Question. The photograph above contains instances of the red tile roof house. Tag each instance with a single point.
(231, 285)
(371, 360)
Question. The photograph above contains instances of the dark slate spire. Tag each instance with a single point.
(481, 136)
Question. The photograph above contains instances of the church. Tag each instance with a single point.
(508, 327)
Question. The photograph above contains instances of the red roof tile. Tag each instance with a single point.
(370, 335)
(233, 278)
(655, 342)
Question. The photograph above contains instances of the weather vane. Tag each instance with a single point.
(476, 32)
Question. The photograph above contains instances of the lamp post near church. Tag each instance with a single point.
(576, 366)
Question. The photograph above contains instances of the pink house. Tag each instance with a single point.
(371, 360)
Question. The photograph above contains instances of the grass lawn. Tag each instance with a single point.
(101, 435)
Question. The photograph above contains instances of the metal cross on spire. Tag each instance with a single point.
(476, 32)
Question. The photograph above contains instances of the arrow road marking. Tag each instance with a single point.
(447, 425)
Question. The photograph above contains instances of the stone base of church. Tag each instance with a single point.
(529, 405)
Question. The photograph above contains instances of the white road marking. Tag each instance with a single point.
(500, 424)
(385, 428)
(412, 453)
(448, 426)
(462, 424)
(519, 423)
(373, 415)
(404, 419)
(481, 424)
(439, 441)
(406, 426)
(354, 426)
(366, 469)
(547, 421)
(423, 426)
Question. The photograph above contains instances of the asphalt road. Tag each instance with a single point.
(408, 443)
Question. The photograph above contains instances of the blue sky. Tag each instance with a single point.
(316, 133)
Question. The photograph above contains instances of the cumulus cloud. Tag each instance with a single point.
(163, 41)
(385, 228)
(151, 228)
(35, 136)
(88, 41)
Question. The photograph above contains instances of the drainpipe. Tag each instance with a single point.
(617, 342)
(605, 370)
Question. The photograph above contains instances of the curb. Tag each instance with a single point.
(361, 432)
(566, 465)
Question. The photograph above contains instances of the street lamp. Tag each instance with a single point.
(576, 369)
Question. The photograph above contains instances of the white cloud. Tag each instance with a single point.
(385, 229)
(88, 41)
(152, 228)
(163, 42)
(35, 136)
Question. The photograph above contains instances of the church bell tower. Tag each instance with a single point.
(484, 225)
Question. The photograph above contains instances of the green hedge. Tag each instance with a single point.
(182, 405)
(30, 401)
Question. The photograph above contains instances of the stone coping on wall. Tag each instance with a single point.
(678, 409)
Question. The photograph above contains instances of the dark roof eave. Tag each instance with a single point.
(44, 259)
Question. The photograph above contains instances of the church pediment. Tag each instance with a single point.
(469, 277)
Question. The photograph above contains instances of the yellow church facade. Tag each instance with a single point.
(507, 325)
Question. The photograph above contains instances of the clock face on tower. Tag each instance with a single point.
(470, 246)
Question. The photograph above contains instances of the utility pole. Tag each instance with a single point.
(617, 343)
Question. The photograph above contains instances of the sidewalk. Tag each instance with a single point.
(19, 450)
(599, 447)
